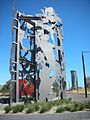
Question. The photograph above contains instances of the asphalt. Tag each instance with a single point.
(85, 115)
(78, 97)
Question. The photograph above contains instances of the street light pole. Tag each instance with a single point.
(85, 83)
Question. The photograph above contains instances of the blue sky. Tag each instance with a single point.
(75, 15)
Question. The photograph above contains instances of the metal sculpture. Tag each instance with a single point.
(37, 55)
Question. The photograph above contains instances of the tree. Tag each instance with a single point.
(56, 88)
(6, 87)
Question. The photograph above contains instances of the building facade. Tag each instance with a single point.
(74, 80)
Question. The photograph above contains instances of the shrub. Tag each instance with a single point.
(57, 102)
(45, 107)
(60, 109)
(36, 107)
(87, 105)
(50, 105)
(81, 107)
(68, 107)
(65, 101)
(72, 107)
(18, 108)
(68, 101)
(61, 102)
(7, 109)
(30, 109)
(76, 106)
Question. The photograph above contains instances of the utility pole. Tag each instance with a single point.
(85, 83)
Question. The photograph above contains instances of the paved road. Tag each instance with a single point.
(61, 116)
(78, 97)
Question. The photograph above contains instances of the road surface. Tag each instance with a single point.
(58, 116)
(78, 97)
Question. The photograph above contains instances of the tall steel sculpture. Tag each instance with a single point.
(37, 56)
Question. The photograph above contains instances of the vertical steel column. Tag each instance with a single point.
(85, 84)
(34, 65)
(14, 62)
(17, 65)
